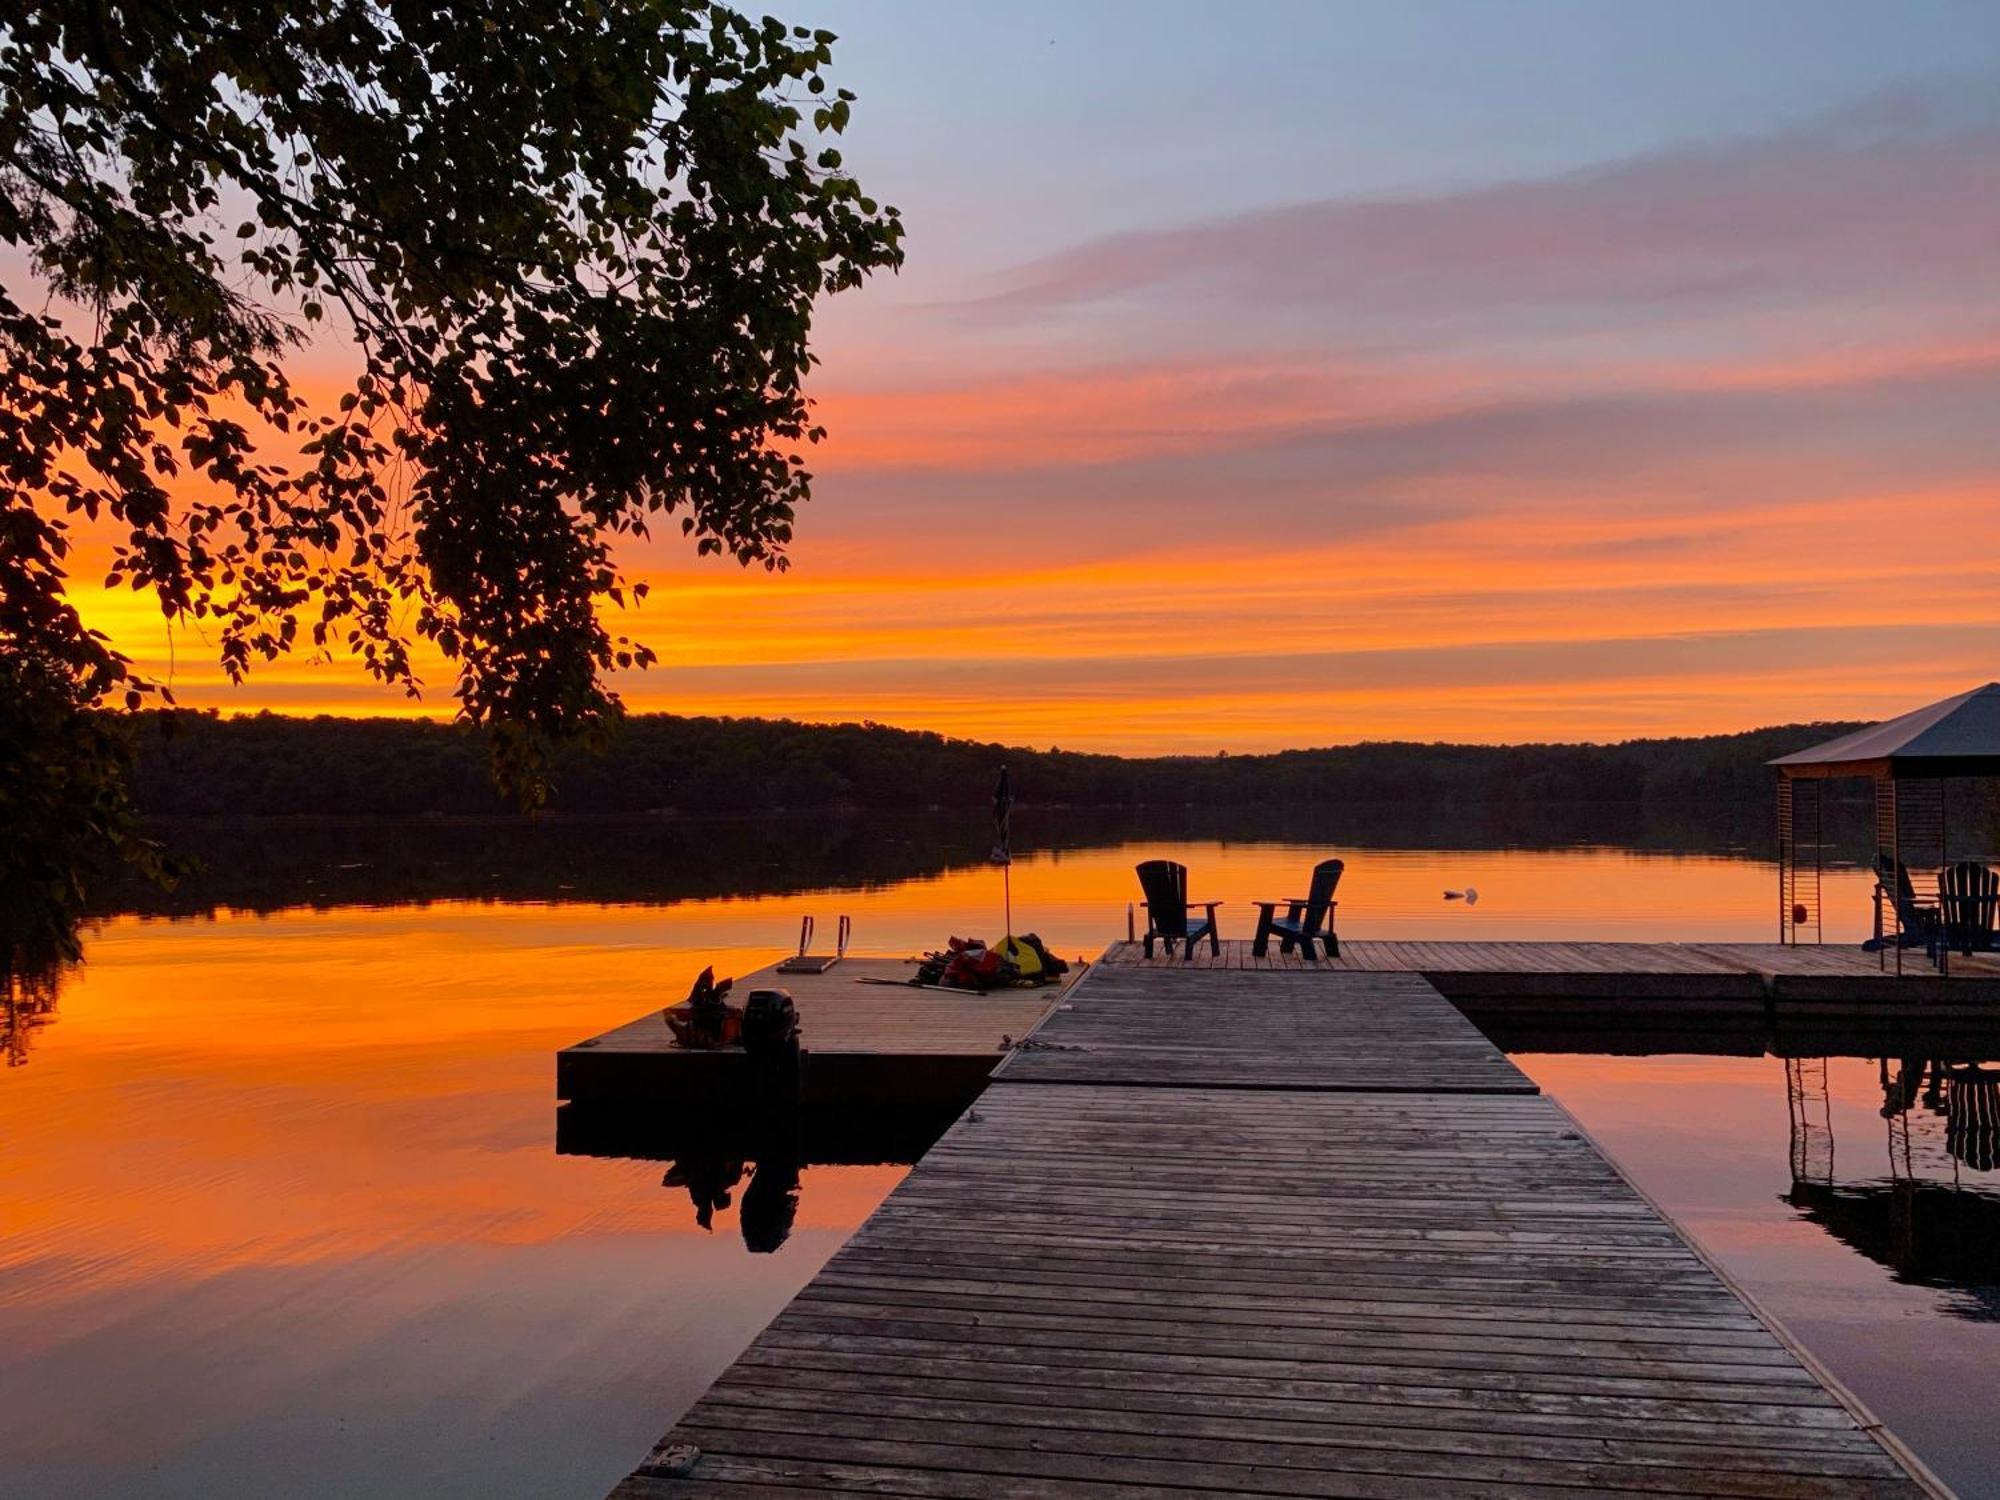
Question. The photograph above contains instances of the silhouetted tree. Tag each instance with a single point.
(65, 800)
(574, 249)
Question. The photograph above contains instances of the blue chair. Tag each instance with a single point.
(1165, 885)
(1918, 923)
(1968, 903)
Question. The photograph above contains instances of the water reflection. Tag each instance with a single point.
(1933, 1219)
(268, 864)
(771, 1203)
(279, 1214)
(25, 1007)
(754, 1156)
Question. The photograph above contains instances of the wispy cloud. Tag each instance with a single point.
(1894, 203)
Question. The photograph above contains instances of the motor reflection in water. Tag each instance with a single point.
(756, 1156)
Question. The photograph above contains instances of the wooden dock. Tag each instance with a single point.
(1786, 973)
(877, 1042)
(1269, 1233)
(864, 1040)
(1381, 1033)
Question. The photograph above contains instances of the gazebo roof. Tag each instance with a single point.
(1954, 737)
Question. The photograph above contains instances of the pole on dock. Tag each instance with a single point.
(1003, 856)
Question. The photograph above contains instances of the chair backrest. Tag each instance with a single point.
(1326, 879)
(1894, 877)
(1165, 885)
(1969, 896)
(1972, 1119)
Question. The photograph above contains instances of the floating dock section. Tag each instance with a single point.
(868, 1037)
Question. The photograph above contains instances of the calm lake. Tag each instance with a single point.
(282, 1210)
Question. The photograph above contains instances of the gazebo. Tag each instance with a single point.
(1913, 761)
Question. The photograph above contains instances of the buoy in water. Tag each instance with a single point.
(1469, 896)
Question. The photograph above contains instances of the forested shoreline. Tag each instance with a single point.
(202, 765)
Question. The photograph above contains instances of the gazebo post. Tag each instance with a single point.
(1819, 860)
(1785, 857)
(1799, 823)
(1889, 853)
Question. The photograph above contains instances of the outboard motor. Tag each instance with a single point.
(771, 1042)
(770, 1022)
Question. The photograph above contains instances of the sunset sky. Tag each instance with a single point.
(1298, 374)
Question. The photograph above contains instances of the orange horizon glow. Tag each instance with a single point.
(1472, 629)
(1183, 491)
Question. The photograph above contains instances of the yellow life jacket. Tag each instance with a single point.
(1023, 957)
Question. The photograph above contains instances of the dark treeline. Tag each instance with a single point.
(200, 765)
(278, 812)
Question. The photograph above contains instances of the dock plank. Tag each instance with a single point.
(1281, 1028)
(1719, 981)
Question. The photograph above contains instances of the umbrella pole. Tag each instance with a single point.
(1007, 896)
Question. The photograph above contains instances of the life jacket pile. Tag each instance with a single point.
(706, 1020)
(968, 964)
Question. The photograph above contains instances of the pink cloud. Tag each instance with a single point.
(1891, 204)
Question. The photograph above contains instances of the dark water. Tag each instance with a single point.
(286, 1207)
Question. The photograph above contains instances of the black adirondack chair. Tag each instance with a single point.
(1304, 916)
(1969, 903)
(1918, 925)
(1165, 885)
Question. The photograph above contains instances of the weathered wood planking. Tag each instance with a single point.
(1284, 1029)
(1374, 955)
(1178, 1289)
(1119, 1292)
(1724, 977)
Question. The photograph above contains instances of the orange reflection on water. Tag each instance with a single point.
(296, 1172)
(315, 1084)
(318, 1085)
